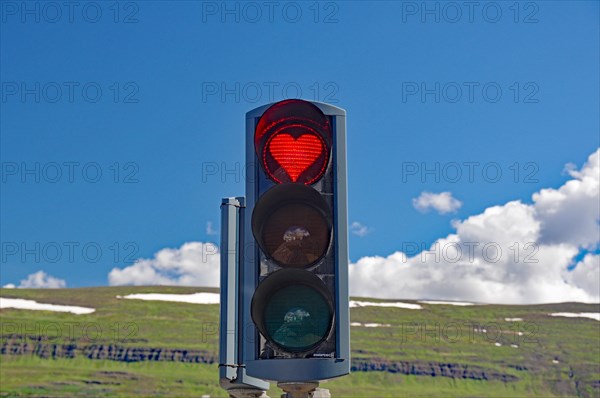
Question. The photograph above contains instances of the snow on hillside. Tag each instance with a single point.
(591, 315)
(23, 304)
(195, 298)
(459, 303)
(408, 306)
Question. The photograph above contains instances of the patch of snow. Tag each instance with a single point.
(513, 319)
(194, 298)
(520, 333)
(459, 303)
(591, 315)
(554, 361)
(371, 325)
(514, 346)
(408, 306)
(498, 344)
(377, 325)
(22, 304)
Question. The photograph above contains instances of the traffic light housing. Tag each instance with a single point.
(294, 276)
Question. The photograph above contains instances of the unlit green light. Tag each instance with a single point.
(297, 317)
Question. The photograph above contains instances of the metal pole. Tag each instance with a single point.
(303, 390)
(232, 373)
(246, 393)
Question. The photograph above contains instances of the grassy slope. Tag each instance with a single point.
(428, 335)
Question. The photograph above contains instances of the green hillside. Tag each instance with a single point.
(154, 348)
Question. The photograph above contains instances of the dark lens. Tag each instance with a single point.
(293, 309)
(297, 317)
(296, 235)
(292, 225)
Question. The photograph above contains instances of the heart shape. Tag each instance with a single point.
(295, 155)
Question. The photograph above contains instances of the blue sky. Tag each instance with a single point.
(160, 89)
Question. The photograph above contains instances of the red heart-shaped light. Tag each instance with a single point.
(295, 155)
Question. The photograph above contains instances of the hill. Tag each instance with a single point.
(157, 348)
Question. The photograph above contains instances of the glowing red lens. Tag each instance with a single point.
(296, 155)
(292, 139)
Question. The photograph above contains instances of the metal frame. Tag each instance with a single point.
(232, 374)
(292, 370)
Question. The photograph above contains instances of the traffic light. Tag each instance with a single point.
(295, 269)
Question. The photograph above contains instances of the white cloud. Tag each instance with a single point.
(193, 264)
(441, 202)
(209, 228)
(570, 214)
(512, 253)
(569, 169)
(587, 274)
(39, 280)
(358, 229)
